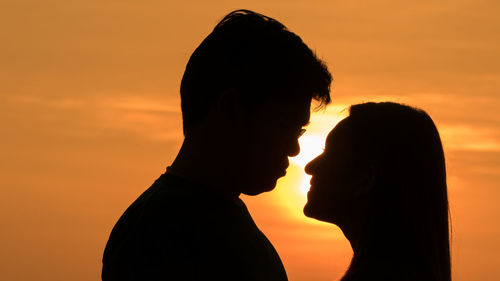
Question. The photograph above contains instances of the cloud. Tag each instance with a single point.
(143, 118)
(462, 137)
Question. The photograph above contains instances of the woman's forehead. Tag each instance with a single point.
(340, 135)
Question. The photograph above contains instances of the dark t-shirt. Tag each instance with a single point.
(181, 230)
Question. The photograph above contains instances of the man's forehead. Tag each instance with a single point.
(290, 104)
(294, 110)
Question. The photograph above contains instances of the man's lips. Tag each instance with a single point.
(283, 173)
(283, 170)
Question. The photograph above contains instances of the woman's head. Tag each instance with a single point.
(384, 165)
(337, 190)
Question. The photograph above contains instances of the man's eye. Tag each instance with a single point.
(301, 132)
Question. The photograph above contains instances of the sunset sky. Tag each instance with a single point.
(90, 117)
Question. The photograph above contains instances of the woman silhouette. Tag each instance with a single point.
(382, 180)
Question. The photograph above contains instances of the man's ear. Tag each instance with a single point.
(229, 104)
(365, 180)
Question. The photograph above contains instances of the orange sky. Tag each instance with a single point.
(89, 115)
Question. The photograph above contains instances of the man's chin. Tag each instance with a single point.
(259, 188)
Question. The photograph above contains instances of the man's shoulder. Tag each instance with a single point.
(167, 200)
(160, 217)
(171, 206)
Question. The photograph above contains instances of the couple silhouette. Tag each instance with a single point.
(246, 96)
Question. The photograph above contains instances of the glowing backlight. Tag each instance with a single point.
(310, 147)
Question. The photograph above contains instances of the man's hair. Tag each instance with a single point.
(256, 55)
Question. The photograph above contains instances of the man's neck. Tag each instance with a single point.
(198, 161)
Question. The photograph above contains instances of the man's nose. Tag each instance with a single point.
(294, 148)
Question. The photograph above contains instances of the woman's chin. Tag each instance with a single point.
(312, 212)
(307, 210)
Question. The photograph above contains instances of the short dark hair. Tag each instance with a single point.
(256, 55)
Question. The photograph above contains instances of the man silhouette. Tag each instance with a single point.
(245, 97)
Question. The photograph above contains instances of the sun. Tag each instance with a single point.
(310, 147)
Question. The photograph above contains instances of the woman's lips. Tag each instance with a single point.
(311, 183)
(311, 187)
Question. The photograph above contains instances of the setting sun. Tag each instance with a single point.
(310, 147)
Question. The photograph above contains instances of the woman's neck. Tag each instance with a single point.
(376, 254)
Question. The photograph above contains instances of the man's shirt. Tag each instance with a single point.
(182, 230)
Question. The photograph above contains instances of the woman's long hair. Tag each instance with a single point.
(406, 235)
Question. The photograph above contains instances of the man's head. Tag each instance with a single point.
(252, 64)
